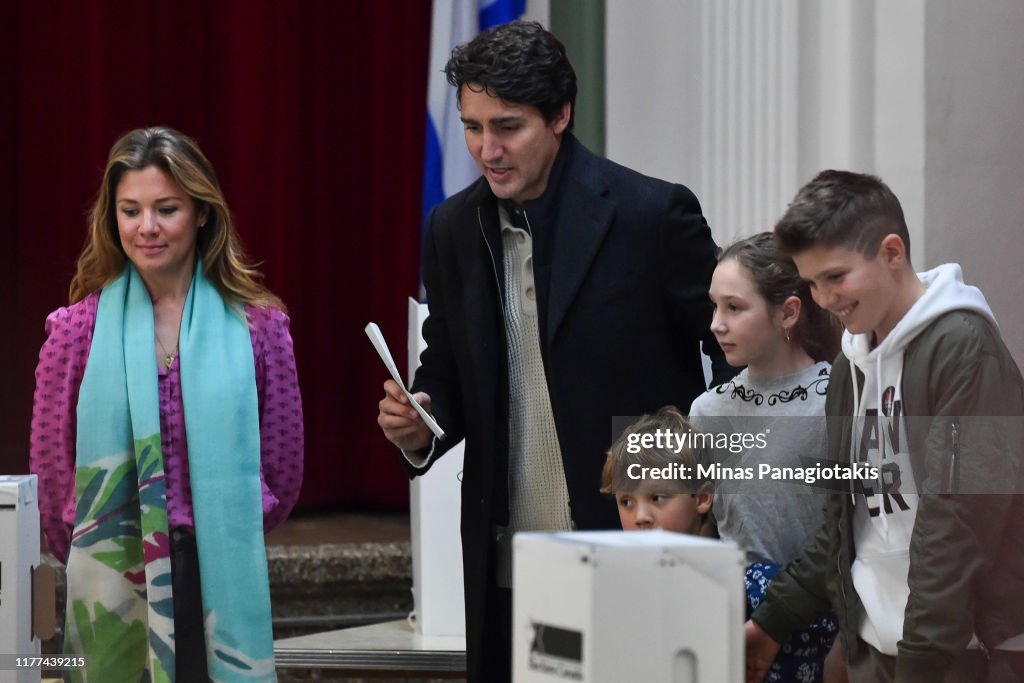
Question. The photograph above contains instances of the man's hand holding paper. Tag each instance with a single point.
(400, 421)
(404, 417)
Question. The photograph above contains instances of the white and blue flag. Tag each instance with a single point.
(447, 166)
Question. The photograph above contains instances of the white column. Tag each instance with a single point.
(899, 111)
(746, 100)
(649, 84)
(704, 92)
(538, 10)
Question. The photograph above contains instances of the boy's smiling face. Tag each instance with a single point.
(860, 291)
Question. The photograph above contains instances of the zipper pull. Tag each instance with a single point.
(954, 464)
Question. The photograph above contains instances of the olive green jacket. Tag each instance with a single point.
(967, 549)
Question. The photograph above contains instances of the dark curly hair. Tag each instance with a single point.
(521, 63)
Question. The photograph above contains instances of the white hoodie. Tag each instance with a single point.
(885, 510)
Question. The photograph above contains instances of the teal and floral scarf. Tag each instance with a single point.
(119, 594)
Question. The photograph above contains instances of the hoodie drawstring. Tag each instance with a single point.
(856, 431)
(880, 426)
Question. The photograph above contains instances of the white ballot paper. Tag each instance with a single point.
(377, 339)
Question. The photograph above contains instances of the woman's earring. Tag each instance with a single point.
(787, 337)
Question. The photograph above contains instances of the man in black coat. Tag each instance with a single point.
(564, 290)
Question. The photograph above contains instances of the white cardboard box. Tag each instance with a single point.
(19, 555)
(612, 606)
(435, 511)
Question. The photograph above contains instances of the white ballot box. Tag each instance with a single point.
(613, 606)
(435, 511)
(19, 556)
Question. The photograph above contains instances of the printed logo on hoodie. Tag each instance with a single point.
(880, 442)
(885, 510)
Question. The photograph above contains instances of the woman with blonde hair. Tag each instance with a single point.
(166, 428)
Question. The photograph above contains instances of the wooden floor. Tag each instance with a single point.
(340, 527)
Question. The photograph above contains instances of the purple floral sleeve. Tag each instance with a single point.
(281, 434)
(52, 443)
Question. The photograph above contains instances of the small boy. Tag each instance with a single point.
(680, 502)
(927, 581)
(652, 471)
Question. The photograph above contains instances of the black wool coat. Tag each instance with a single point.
(622, 309)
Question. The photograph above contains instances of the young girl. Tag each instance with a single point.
(765, 319)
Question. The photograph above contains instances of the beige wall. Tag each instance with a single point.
(974, 211)
(929, 94)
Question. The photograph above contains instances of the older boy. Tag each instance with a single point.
(926, 579)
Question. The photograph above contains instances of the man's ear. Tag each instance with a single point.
(560, 121)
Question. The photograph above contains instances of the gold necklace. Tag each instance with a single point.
(168, 357)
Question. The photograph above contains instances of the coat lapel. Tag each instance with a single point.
(482, 297)
(584, 217)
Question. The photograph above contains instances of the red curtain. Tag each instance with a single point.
(312, 113)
